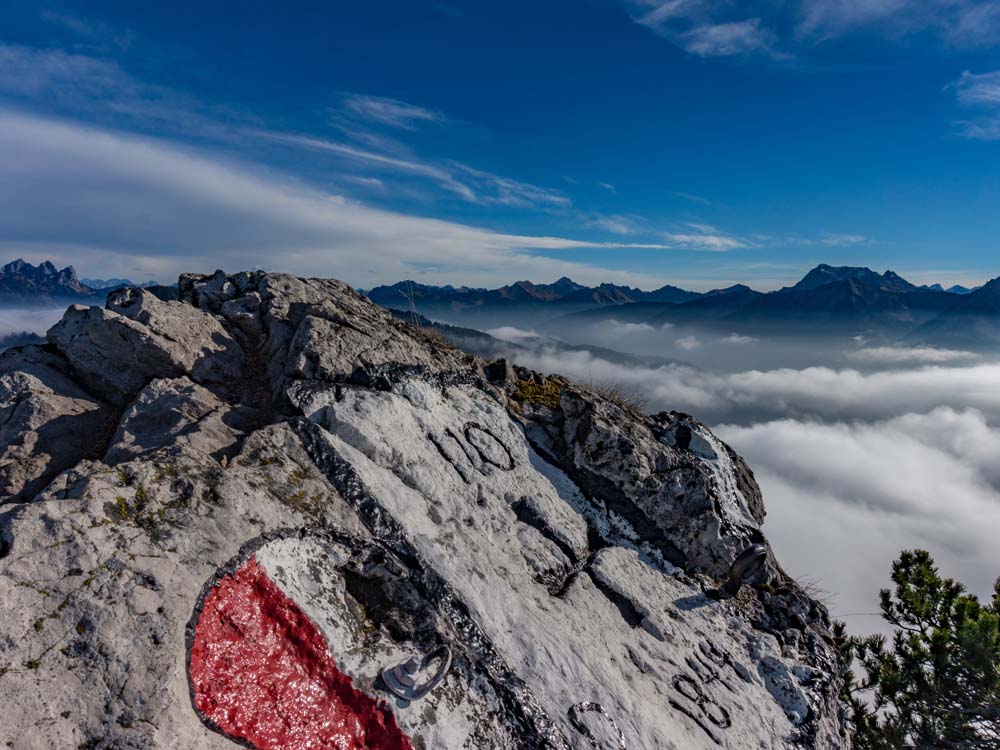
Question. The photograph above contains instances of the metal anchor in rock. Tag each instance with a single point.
(746, 565)
(401, 679)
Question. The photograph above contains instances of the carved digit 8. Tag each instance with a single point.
(707, 709)
(475, 441)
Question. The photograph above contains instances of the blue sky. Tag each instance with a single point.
(638, 141)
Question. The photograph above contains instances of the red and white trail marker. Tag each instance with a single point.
(263, 672)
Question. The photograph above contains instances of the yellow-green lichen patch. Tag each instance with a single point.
(546, 394)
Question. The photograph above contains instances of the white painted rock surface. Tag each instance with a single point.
(393, 501)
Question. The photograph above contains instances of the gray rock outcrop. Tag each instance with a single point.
(400, 496)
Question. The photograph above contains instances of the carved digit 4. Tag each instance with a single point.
(576, 714)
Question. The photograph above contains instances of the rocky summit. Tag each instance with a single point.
(269, 514)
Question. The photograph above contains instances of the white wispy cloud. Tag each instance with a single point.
(615, 223)
(981, 93)
(963, 23)
(35, 72)
(694, 198)
(509, 192)
(736, 338)
(512, 333)
(725, 39)
(707, 238)
(626, 328)
(105, 201)
(979, 89)
(712, 29)
(93, 35)
(392, 112)
(842, 240)
(898, 355)
(444, 178)
(844, 498)
(470, 184)
(696, 27)
(99, 87)
(688, 343)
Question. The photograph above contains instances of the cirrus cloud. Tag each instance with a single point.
(118, 203)
(709, 29)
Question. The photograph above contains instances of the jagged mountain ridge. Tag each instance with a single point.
(971, 320)
(115, 283)
(823, 274)
(564, 291)
(828, 299)
(22, 284)
(835, 300)
(398, 495)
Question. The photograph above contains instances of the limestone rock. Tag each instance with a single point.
(47, 422)
(174, 413)
(116, 351)
(279, 488)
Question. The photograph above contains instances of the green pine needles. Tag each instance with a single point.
(935, 685)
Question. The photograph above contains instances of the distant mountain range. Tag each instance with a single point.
(116, 283)
(44, 285)
(827, 300)
(564, 293)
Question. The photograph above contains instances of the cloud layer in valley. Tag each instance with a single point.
(844, 497)
(34, 320)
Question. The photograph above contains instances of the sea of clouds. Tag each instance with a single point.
(28, 320)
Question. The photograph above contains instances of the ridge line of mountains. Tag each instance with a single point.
(567, 291)
(23, 284)
(827, 300)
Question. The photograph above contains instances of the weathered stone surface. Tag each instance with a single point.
(403, 497)
(177, 414)
(116, 351)
(47, 422)
(316, 328)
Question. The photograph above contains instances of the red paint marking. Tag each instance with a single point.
(263, 672)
